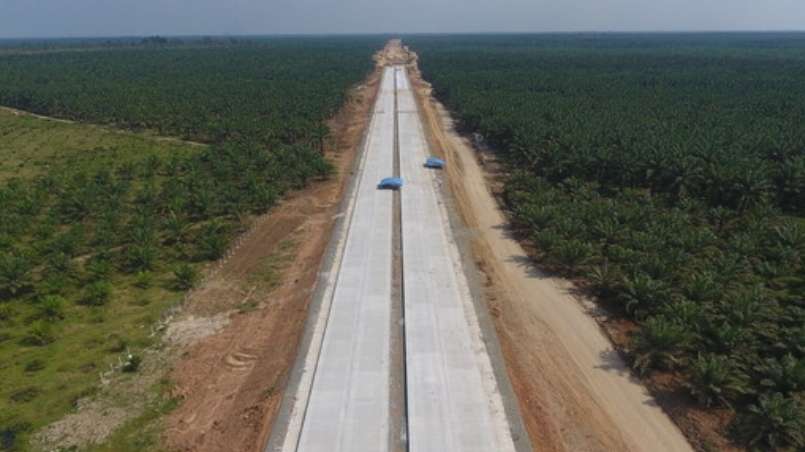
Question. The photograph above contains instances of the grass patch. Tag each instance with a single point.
(269, 274)
(141, 433)
(31, 146)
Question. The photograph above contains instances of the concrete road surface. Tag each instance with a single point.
(453, 403)
(342, 399)
(348, 406)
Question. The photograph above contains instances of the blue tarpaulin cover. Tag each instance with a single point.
(433, 162)
(390, 182)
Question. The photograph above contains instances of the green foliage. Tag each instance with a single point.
(144, 279)
(211, 242)
(660, 344)
(786, 374)
(34, 365)
(186, 277)
(102, 218)
(39, 335)
(132, 363)
(774, 422)
(51, 307)
(96, 294)
(15, 273)
(275, 91)
(714, 379)
(666, 171)
(6, 312)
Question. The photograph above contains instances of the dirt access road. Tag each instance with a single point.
(574, 390)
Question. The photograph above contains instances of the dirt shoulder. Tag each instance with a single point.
(574, 390)
(231, 383)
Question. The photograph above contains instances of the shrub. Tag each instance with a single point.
(141, 256)
(24, 395)
(51, 307)
(99, 268)
(39, 335)
(186, 277)
(143, 279)
(132, 363)
(6, 312)
(97, 294)
(34, 365)
(14, 273)
(211, 242)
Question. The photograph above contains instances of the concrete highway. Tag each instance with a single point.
(343, 400)
(449, 406)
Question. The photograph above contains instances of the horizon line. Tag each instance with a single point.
(455, 33)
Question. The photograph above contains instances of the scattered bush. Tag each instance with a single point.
(34, 365)
(24, 394)
(132, 363)
(39, 335)
(211, 242)
(186, 277)
(51, 307)
(6, 312)
(15, 277)
(97, 294)
(144, 279)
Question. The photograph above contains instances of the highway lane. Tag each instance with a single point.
(348, 405)
(344, 398)
(453, 399)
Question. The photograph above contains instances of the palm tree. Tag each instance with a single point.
(660, 344)
(785, 375)
(716, 379)
(774, 422)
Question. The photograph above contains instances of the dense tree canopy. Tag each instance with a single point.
(668, 173)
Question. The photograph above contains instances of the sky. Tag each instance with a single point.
(84, 18)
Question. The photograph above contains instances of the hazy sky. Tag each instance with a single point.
(47, 18)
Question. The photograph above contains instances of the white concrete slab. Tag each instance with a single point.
(452, 396)
(348, 406)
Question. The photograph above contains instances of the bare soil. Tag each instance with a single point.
(231, 382)
(574, 390)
